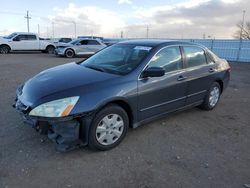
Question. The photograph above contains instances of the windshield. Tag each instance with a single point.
(11, 36)
(117, 59)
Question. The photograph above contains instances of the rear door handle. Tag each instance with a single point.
(211, 70)
(181, 78)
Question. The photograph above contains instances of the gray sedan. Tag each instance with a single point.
(128, 84)
(79, 47)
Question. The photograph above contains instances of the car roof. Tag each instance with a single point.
(154, 42)
(24, 33)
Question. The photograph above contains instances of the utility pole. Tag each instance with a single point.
(204, 36)
(47, 31)
(74, 27)
(28, 20)
(53, 30)
(147, 31)
(38, 29)
(92, 33)
(241, 33)
(243, 20)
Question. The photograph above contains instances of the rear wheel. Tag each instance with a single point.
(4, 49)
(69, 53)
(50, 49)
(109, 127)
(212, 97)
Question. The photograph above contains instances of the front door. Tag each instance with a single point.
(158, 95)
(18, 42)
(25, 42)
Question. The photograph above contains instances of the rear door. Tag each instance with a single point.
(200, 73)
(94, 46)
(82, 47)
(159, 95)
(32, 43)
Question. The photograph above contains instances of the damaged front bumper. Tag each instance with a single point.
(66, 132)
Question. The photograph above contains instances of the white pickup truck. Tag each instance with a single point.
(23, 41)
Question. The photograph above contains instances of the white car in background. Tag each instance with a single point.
(23, 41)
(79, 47)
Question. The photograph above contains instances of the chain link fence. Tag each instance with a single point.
(231, 50)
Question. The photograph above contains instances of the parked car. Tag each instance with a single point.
(112, 41)
(59, 41)
(65, 40)
(23, 41)
(90, 37)
(79, 47)
(95, 101)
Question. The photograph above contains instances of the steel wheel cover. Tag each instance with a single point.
(109, 129)
(214, 96)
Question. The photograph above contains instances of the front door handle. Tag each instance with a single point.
(181, 78)
(211, 70)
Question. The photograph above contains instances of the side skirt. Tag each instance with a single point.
(150, 119)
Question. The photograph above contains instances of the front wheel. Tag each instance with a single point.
(109, 127)
(212, 97)
(69, 53)
(4, 49)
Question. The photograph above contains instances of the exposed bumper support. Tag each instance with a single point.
(67, 132)
(65, 135)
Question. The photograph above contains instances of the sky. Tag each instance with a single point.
(132, 18)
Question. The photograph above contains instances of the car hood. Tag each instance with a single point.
(2, 39)
(61, 44)
(61, 81)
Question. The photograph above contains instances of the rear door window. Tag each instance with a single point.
(84, 42)
(31, 37)
(93, 42)
(195, 56)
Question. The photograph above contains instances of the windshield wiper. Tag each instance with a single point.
(95, 68)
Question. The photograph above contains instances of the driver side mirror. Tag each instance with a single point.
(16, 39)
(153, 72)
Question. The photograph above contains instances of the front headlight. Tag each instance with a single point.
(56, 108)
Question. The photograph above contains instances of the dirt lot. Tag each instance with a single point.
(193, 148)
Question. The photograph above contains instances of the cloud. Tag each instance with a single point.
(191, 19)
(188, 19)
(124, 2)
(89, 20)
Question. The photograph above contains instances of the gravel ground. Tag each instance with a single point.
(193, 148)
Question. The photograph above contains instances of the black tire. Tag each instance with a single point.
(4, 49)
(50, 49)
(69, 53)
(105, 112)
(207, 105)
